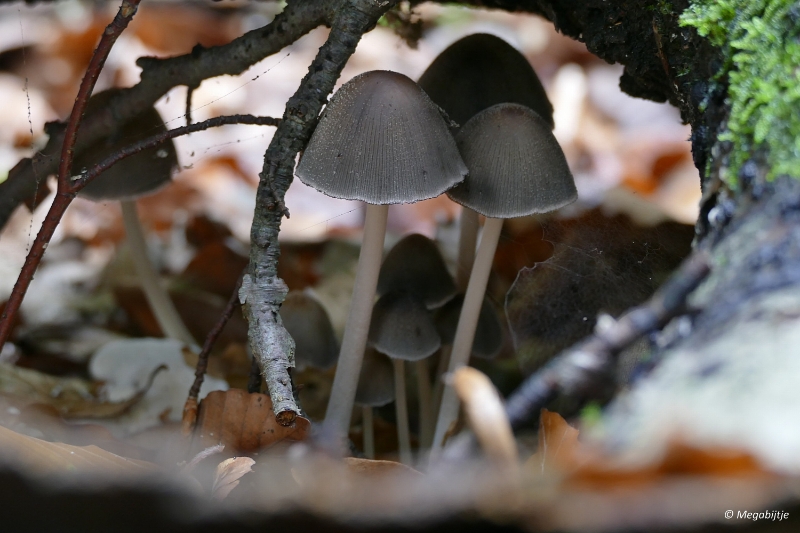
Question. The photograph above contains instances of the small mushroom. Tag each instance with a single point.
(488, 333)
(310, 326)
(415, 265)
(375, 389)
(403, 329)
(133, 177)
(516, 168)
(380, 140)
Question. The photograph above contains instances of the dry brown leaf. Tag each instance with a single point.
(243, 422)
(44, 457)
(377, 468)
(71, 397)
(228, 474)
(558, 444)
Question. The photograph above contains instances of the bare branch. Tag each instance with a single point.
(262, 291)
(158, 77)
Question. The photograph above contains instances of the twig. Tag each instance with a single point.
(189, 92)
(578, 370)
(159, 75)
(262, 291)
(211, 339)
(64, 198)
(65, 195)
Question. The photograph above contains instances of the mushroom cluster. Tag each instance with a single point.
(380, 140)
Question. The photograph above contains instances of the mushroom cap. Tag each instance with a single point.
(402, 328)
(136, 175)
(482, 70)
(310, 326)
(376, 380)
(516, 166)
(416, 266)
(488, 333)
(383, 141)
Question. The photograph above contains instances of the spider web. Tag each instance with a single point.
(599, 264)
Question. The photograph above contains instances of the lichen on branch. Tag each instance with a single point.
(760, 40)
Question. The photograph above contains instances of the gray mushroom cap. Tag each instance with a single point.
(310, 326)
(383, 141)
(482, 70)
(376, 380)
(415, 265)
(137, 175)
(516, 166)
(488, 333)
(402, 328)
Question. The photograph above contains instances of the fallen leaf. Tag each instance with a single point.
(377, 467)
(228, 474)
(242, 422)
(42, 457)
(71, 397)
(558, 443)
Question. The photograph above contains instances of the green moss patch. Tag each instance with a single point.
(760, 40)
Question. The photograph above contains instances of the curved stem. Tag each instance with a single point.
(167, 316)
(467, 238)
(368, 432)
(401, 410)
(351, 354)
(467, 322)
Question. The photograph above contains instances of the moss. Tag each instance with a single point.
(761, 50)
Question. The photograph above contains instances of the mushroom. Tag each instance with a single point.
(131, 178)
(380, 140)
(375, 389)
(416, 266)
(310, 326)
(516, 168)
(471, 75)
(403, 329)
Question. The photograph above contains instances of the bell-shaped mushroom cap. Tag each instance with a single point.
(416, 266)
(310, 326)
(480, 71)
(376, 380)
(383, 141)
(488, 333)
(516, 166)
(136, 175)
(402, 328)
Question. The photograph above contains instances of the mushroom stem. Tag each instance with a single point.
(401, 410)
(438, 383)
(467, 323)
(368, 432)
(167, 316)
(467, 238)
(425, 407)
(351, 354)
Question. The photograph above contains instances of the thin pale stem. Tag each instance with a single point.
(467, 239)
(351, 354)
(401, 410)
(167, 316)
(467, 323)
(425, 407)
(368, 431)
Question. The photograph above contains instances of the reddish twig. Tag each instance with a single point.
(211, 339)
(65, 196)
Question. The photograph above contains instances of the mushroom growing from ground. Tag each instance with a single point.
(310, 326)
(403, 329)
(375, 389)
(131, 178)
(471, 75)
(517, 168)
(383, 141)
(416, 266)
